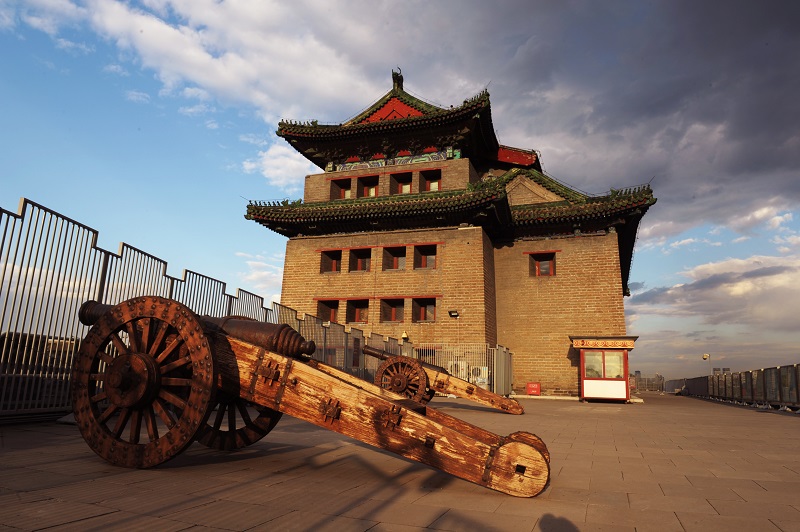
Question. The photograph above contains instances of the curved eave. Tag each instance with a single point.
(567, 212)
(291, 131)
(379, 214)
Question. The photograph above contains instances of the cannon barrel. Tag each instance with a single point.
(278, 338)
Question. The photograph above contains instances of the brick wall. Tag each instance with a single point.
(456, 173)
(536, 315)
(461, 281)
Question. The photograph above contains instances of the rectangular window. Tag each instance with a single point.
(394, 258)
(392, 310)
(604, 365)
(401, 183)
(368, 186)
(340, 189)
(432, 180)
(359, 260)
(331, 261)
(542, 264)
(424, 309)
(358, 311)
(425, 257)
(328, 310)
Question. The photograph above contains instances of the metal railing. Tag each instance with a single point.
(775, 387)
(50, 264)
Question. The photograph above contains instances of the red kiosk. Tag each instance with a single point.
(604, 366)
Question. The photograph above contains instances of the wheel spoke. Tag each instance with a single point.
(231, 417)
(105, 357)
(122, 421)
(162, 333)
(144, 344)
(136, 426)
(183, 361)
(99, 397)
(242, 406)
(172, 398)
(119, 344)
(107, 413)
(177, 341)
(172, 381)
(150, 423)
(133, 341)
(163, 413)
(219, 417)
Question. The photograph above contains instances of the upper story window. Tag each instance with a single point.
(392, 310)
(359, 260)
(340, 189)
(331, 261)
(542, 264)
(394, 258)
(358, 311)
(328, 310)
(425, 257)
(401, 183)
(368, 186)
(431, 180)
(424, 309)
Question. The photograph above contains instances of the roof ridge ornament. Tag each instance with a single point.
(397, 80)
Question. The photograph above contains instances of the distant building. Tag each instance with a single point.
(422, 224)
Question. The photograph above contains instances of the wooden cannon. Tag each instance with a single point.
(420, 381)
(151, 377)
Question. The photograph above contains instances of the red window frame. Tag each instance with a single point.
(329, 257)
(423, 306)
(392, 256)
(432, 176)
(394, 310)
(538, 259)
(357, 311)
(360, 260)
(423, 256)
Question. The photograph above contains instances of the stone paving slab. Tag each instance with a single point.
(669, 463)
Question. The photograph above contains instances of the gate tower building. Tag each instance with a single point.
(421, 225)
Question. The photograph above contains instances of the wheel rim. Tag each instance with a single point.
(404, 377)
(143, 382)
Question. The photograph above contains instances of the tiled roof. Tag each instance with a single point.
(431, 116)
(590, 208)
(450, 207)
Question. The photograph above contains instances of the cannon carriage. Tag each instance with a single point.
(151, 378)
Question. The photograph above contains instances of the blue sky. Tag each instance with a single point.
(153, 122)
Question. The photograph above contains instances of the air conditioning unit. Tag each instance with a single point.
(458, 369)
(480, 375)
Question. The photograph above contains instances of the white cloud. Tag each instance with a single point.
(769, 214)
(264, 273)
(137, 96)
(777, 222)
(761, 293)
(196, 110)
(282, 166)
(116, 69)
(69, 46)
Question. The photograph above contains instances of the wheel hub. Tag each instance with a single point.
(132, 380)
(398, 383)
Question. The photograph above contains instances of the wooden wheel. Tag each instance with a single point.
(404, 376)
(236, 423)
(143, 382)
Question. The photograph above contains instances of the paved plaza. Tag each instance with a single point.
(669, 463)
